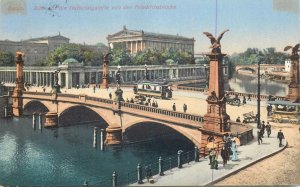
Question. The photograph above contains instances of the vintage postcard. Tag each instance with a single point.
(149, 92)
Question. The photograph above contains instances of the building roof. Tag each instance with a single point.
(71, 62)
(47, 38)
(126, 31)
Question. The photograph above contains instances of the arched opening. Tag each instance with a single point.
(35, 106)
(246, 70)
(163, 134)
(80, 114)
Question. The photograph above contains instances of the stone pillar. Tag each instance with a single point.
(216, 118)
(113, 135)
(131, 48)
(136, 46)
(81, 78)
(294, 85)
(104, 84)
(51, 120)
(18, 90)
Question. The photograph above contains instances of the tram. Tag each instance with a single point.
(153, 89)
(285, 111)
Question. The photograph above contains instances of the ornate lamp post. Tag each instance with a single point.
(146, 73)
(119, 91)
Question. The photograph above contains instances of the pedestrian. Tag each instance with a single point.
(131, 100)
(94, 88)
(153, 103)
(156, 105)
(268, 128)
(224, 155)
(212, 156)
(280, 136)
(174, 107)
(269, 110)
(238, 119)
(244, 100)
(127, 100)
(249, 97)
(110, 96)
(259, 139)
(184, 108)
(263, 128)
(234, 151)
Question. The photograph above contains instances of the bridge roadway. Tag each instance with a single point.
(187, 124)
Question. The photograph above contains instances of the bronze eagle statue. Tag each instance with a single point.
(215, 43)
(295, 49)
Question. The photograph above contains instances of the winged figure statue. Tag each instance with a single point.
(215, 43)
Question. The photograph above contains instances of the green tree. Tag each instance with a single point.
(6, 59)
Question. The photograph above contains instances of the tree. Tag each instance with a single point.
(79, 52)
(6, 59)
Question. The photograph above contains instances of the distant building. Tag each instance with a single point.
(139, 40)
(37, 49)
(287, 65)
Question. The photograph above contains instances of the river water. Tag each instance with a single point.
(65, 156)
(248, 84)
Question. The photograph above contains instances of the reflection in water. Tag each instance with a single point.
(248, 84)
(65, 156)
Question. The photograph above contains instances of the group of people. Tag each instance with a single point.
(228, 151)
(262, 127)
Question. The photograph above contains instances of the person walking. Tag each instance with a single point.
(249, 97)
(234, 151)
(184, 108)
(238, 119)
(280, 136)
(263, 128)
(268, 128)
(94, 88)
(244, 100)
(174, 107)
(259, 138)
(224, 155)
(110, 96)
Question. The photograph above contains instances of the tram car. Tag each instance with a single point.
(153, 89)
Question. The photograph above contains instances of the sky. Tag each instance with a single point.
(252, 23)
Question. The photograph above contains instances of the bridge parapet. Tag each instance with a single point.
(185, 118)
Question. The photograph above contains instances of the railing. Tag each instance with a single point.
(163, 112)
(38, 93)
(108, 101)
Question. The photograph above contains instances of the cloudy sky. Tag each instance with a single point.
(252, 23)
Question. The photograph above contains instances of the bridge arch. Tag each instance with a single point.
(246, 69)
(80, 114)
(35, 106)
(142, 125)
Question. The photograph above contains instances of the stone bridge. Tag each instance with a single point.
(120, 118)
(263, 67)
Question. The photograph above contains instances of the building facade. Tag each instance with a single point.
(36, 49)
(134, 41)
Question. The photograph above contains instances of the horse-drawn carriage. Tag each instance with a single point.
(233, 100)
(250, 117)
(285, 111)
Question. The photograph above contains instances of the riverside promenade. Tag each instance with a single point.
(199, 173)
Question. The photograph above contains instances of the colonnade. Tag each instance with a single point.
(72, 77)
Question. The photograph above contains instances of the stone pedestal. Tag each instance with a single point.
(51, 120)
(216, 118)
(104, 84)
(113, 135)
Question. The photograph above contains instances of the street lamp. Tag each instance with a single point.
(206, 76)
(258, 59)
